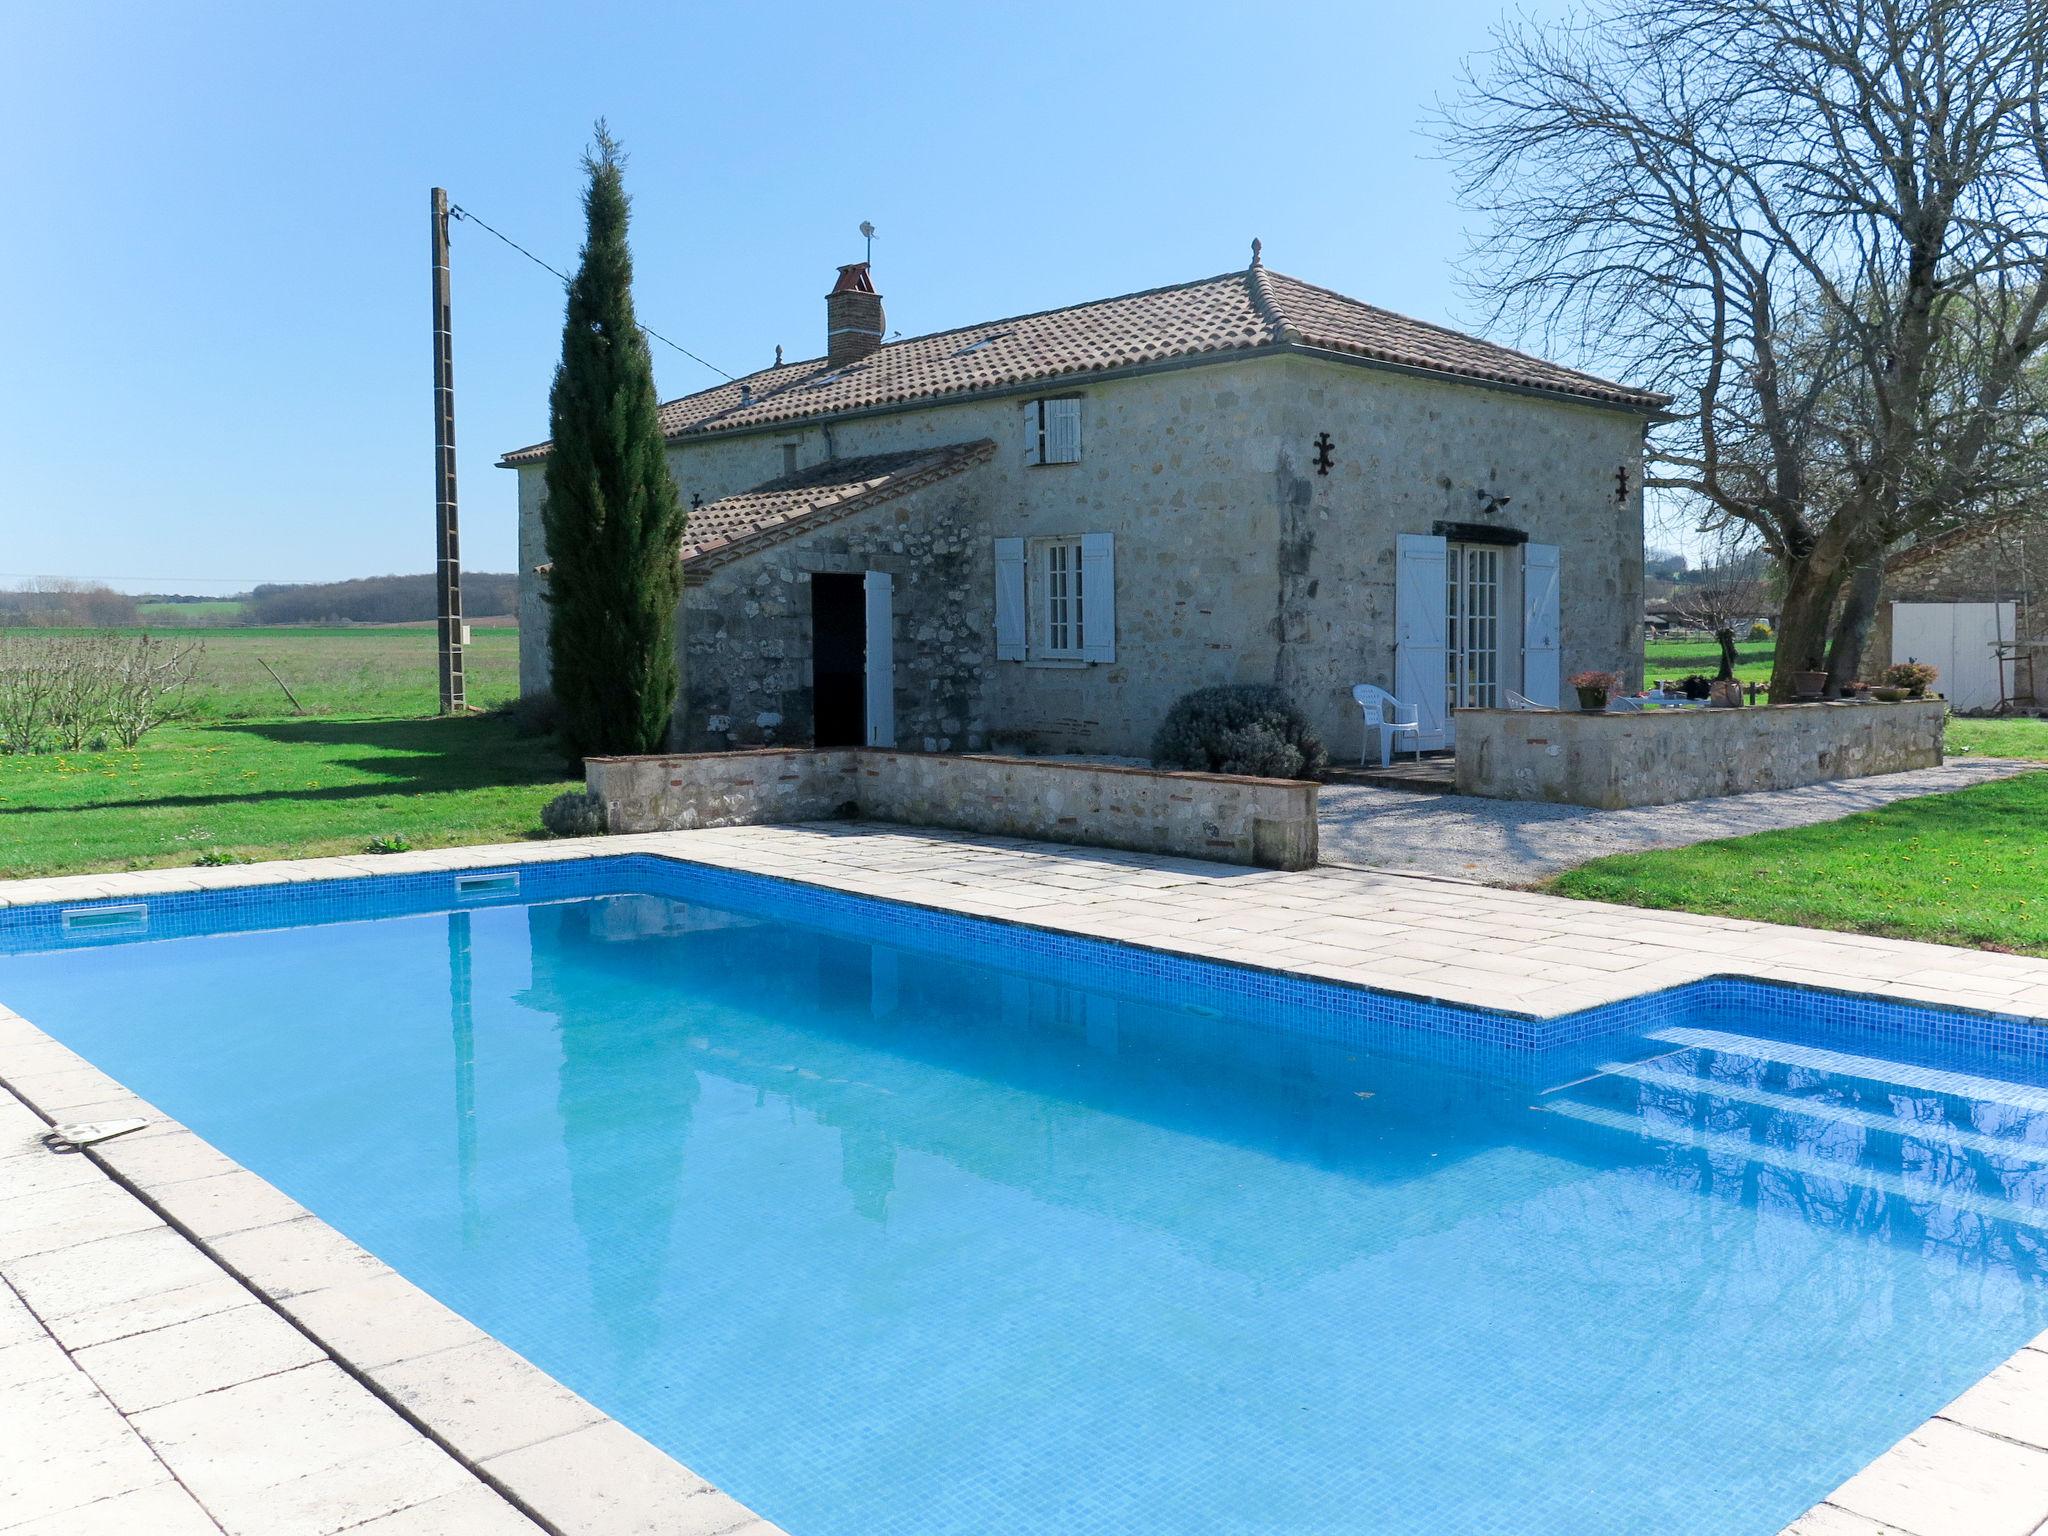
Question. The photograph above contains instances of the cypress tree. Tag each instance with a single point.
(613, 520)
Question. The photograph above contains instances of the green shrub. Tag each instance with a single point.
(395, 842)
(215, 857)
(574, 813)
(1759, 630)
(1246, 728)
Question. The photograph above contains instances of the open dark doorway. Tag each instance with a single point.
(839, 659)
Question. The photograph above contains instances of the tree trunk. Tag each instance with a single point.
(1726, 639)
(1852, 624)
(1810, 588)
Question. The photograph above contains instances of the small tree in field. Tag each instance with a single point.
(1732, 592)
(613, 520)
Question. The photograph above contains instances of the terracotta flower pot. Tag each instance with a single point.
(1809, 685)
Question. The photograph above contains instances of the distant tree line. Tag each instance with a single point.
(68, 605)
(377, 600)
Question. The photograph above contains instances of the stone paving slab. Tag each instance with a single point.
(1518, 842)
(1977, 1468)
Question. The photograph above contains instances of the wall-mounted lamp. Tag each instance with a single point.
(1492, 503)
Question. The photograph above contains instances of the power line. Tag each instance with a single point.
(463, 213)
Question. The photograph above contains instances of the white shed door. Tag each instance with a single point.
(1420, 630)
(881, 659)
(1539, 623)
(1962, 640)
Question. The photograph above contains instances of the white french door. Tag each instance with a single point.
(1472, 591)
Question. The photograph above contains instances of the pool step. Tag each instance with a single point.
(1828, 1171)
(1876, 1069)
(1921, 1133)
(1669, 1087)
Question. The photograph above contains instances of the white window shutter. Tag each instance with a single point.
(1098, 597)
(1420, 624)
(1539, 623)
(1063, 431)
(880, 588)
(1034, 433)
(1009, 599)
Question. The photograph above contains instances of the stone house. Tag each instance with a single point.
(1974, 602)
(1036, 533)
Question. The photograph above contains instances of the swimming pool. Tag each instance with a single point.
(889, 1222)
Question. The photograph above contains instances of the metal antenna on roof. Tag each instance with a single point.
(868, 233)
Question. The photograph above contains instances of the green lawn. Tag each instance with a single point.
(1964, 868)
(1677, 658)
(245, 776)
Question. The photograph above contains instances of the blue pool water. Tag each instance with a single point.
(887, 1236)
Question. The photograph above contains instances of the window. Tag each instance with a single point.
(1052, 431)
(1059, 620)
(1056, 598)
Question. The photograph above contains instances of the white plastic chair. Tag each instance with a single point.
(1390, 717)
(1626, 705)
(1516, 700)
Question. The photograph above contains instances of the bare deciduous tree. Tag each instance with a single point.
(69, 691)
(1820, 225)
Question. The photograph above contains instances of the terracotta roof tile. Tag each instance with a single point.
(747, 520)
(1235, 312)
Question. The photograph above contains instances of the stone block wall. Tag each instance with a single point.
(1266, 822)
(1657, 757)
(744, 632)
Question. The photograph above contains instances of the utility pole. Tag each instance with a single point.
(447, 544)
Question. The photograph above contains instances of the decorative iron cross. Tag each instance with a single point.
(1324, 450)
(696, 500)
(1621, 485)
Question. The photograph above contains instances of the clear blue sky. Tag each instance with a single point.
(214, 361)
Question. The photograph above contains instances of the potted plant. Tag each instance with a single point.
(1888, 694)
(1916, 677)
(1809, 685)
(1594, 688)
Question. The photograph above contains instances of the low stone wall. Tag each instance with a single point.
(1267, 822)
(1660, 756)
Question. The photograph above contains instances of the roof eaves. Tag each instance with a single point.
(1634, 402)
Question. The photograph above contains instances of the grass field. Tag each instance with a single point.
(1676, 658)
(247, 776)
(219, 610)
(1963, 868)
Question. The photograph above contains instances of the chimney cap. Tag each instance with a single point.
(853, 278)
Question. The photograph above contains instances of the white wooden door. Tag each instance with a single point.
(1540, 680)
(1962, 641)
(1421, 625)
(881, 658)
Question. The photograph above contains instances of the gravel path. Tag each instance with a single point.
(1518, 842)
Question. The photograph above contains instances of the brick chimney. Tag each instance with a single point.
(853, 317)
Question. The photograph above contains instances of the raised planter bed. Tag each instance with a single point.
(1658, 756)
